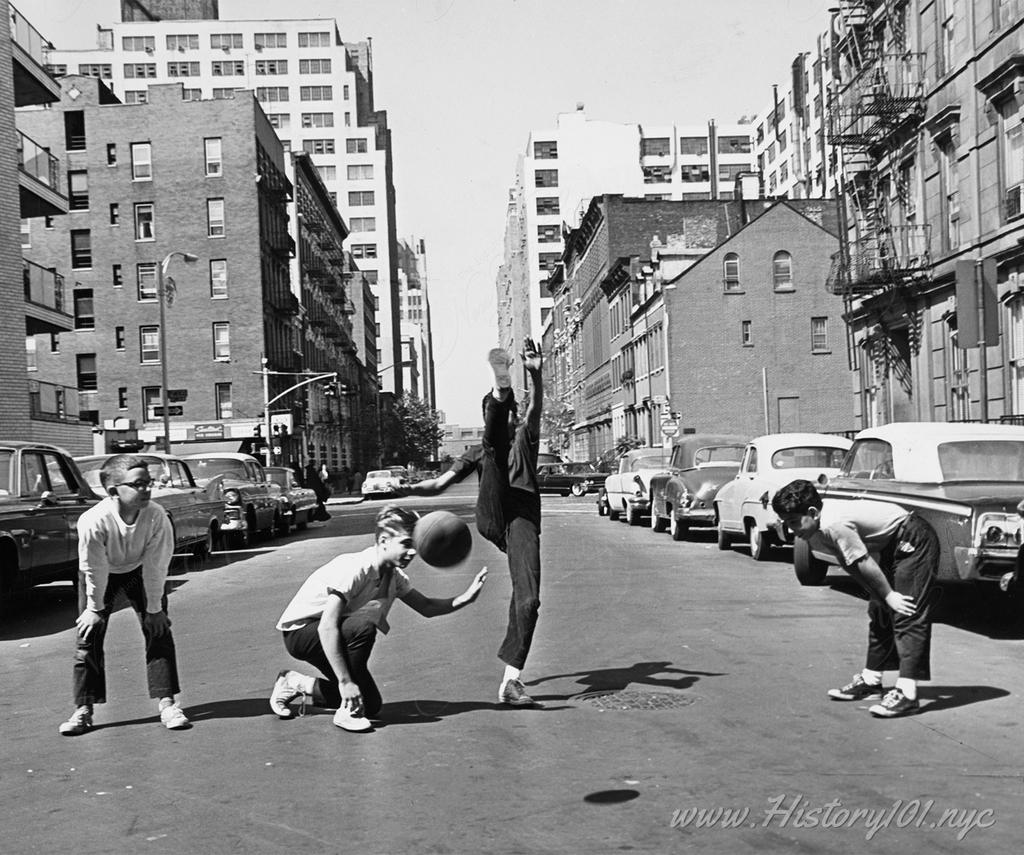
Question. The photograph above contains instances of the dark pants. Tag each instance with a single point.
(358, 633)
(90, 679)
(510, 519)
(899, 641)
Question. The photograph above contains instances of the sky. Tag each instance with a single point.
(465, 81)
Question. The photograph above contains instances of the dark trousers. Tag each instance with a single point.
(358, 633)
(899, 641)
(510, 520)
(89, 673)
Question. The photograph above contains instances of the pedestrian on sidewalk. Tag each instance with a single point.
(315, 483)
(508, 504)
(333, 619)
(125, 544)
(900, 585)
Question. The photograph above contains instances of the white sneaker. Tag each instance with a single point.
(173, 718)
(351, 721)
(79, 723)
(284, 693)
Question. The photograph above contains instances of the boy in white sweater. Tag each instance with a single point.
(125, 544)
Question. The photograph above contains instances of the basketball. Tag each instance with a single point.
(442, 539)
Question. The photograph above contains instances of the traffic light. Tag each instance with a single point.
(330, 390)
(258, 430)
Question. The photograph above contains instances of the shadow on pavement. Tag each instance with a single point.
(617, 679)
(429, 711)
(238, 708)
(948, 697)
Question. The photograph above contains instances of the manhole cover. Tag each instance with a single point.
(630, 699)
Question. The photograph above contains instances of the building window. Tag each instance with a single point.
(547, 205)
(318, 120)
(140, 70)
(222, 397)
(348, 120)
(693, 145)
(78, 190)
(223, 94)
(281, 121)
(344, 92)
(144, 221)
(314, 66)
(360, 171)
(272, 93)
(271, 66)
(111, 154)
(183, 42)
(150, 402)
(221, 341)
(26, 233)
(81, 249)
(136, 96)
(328, 173)
(222, 41)
(31, 359)
(86, 365)
(149, 345)
(115, 276)
(731, 171)
(228, 68)
(138, 43)
(782, 271)
(355, 146)
(364, 250)
(215, 217)
(102, 70)
(549, 234)
(746, 334)
(1015, 342)
(546, 261)
(183, 69)
(819, 335)
(545, 178)
(218, 279)
(54, 342)
(122, 397)
(314, 39)
(545, 150)
(74, 130)
(145, 277)
(733, 145)
(48, 223)
(731, 271)
(316, 93)
(119, 338)
(270, 40)
(657, 174)
(85, 318)
(655, 147)
(115, 213)
(142, 161)
(694, 174)
(1013, 160)
(363, 224)
(360, 197)
(320, 146)
(212, 150)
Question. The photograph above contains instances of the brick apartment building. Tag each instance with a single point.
(148, 183)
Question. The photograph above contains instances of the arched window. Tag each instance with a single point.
(731, 271)
(782, 271)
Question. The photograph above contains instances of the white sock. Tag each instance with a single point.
(511, 674)
(908, 687)
(165, 703)
(872, 678)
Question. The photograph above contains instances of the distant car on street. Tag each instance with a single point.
(565, 479)
(197, 513)
(629, 490)
(384, 482)
(250, 503)
(743, 505)
(42, 495)
(965, 480)
(297, 503)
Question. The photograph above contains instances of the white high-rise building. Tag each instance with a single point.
(565, 166)
(415, 313)
(317, 92)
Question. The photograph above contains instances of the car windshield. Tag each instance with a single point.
(397, 473)
(808, 457)
(277, 477)
(204, 468)
(6, 487)
(718, 454)
(654, 460)
(380, 473)
(982, 460)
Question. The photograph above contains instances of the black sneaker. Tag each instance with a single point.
(894, 704)
(856, 690)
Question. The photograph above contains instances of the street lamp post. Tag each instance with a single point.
(161, 273)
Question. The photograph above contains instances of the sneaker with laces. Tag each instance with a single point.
(352, 721)
(79, 723)
(513, 693)
(284, 693)
(500, 362)
(856, 690)
(173, 718)
(894, 704)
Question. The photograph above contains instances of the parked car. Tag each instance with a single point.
(384, 482)
(629, 489)
(684, 495)
(297, 503)
(965, 480)
(197, 513)
(42, 495)
(743, 505)
(251, 505)
(575, 479)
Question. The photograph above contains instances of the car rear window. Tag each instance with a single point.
(204, 469)
(718, 454)
(982, 460)
(379, 473)
(649, 461)
(808, 457)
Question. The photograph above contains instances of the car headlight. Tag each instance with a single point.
(232, 497)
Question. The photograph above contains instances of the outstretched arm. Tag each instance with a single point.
(533, 361)
(430, 487)
(436, 606)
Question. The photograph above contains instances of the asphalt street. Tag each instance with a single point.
(683, 709)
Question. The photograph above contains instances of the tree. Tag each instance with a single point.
(412, 431)
(556, 425)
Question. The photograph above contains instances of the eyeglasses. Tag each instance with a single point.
(137, 485)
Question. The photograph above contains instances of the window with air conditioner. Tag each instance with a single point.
(144, 221)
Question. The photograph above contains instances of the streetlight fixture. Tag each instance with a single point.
(161, 294)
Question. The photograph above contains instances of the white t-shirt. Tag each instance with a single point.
(355, 577)
(851, 530)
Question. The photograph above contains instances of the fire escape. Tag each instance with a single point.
(875, 109)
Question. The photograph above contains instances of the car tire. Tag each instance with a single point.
(241, 539)
(809, 569)
(633, 516)
(658, 523)
(302, 520)
(281, 525)
(724, 538)
(759, 543)
(205, 547)
(602, 509)
(578, 490)
(8, 586)
(676, 528)
(613, 514)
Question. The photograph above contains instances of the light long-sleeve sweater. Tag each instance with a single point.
(106, 545)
